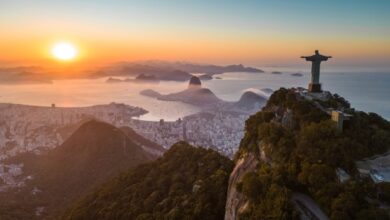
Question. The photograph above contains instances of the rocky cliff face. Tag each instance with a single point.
(235, 201)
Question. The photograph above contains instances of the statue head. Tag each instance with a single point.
(317, 52)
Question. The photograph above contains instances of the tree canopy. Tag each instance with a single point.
(186, 183)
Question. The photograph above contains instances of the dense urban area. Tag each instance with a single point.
(39, 129)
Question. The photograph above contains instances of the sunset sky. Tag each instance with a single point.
(261, 33)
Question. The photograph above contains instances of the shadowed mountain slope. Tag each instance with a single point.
(186, 183)
(95, 152)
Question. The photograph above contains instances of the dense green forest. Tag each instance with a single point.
(303, 155)
(186, 183)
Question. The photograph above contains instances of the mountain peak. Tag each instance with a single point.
(194, 82)
(93, 134)
(251, 100)
(95, 152)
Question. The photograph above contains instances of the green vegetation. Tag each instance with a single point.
(186, 183)
(304, 149)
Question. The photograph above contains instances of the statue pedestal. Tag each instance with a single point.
(315, 87)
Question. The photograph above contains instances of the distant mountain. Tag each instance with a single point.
(204, 68)
(95, 152)
(194, 82)
(168, 71)
(214, 69)
(186, 183)
(141, 78)
(146, 77)
(113, 80)
(25, 75)
(194, 96)
(142, 70)
(150, 93)
(168, 74)
(251, 100)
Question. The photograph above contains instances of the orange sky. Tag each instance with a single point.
(259, 50)
(105, 33)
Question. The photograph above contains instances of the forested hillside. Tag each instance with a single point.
(299, 150)
(186, 183)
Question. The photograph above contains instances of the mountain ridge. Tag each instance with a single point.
(95, 152)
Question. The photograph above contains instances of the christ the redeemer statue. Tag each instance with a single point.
(316, 59)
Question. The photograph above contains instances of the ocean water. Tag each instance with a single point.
(366, 91)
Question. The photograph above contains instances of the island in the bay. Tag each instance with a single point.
(196, 95)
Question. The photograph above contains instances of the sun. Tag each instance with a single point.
(64, 51)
